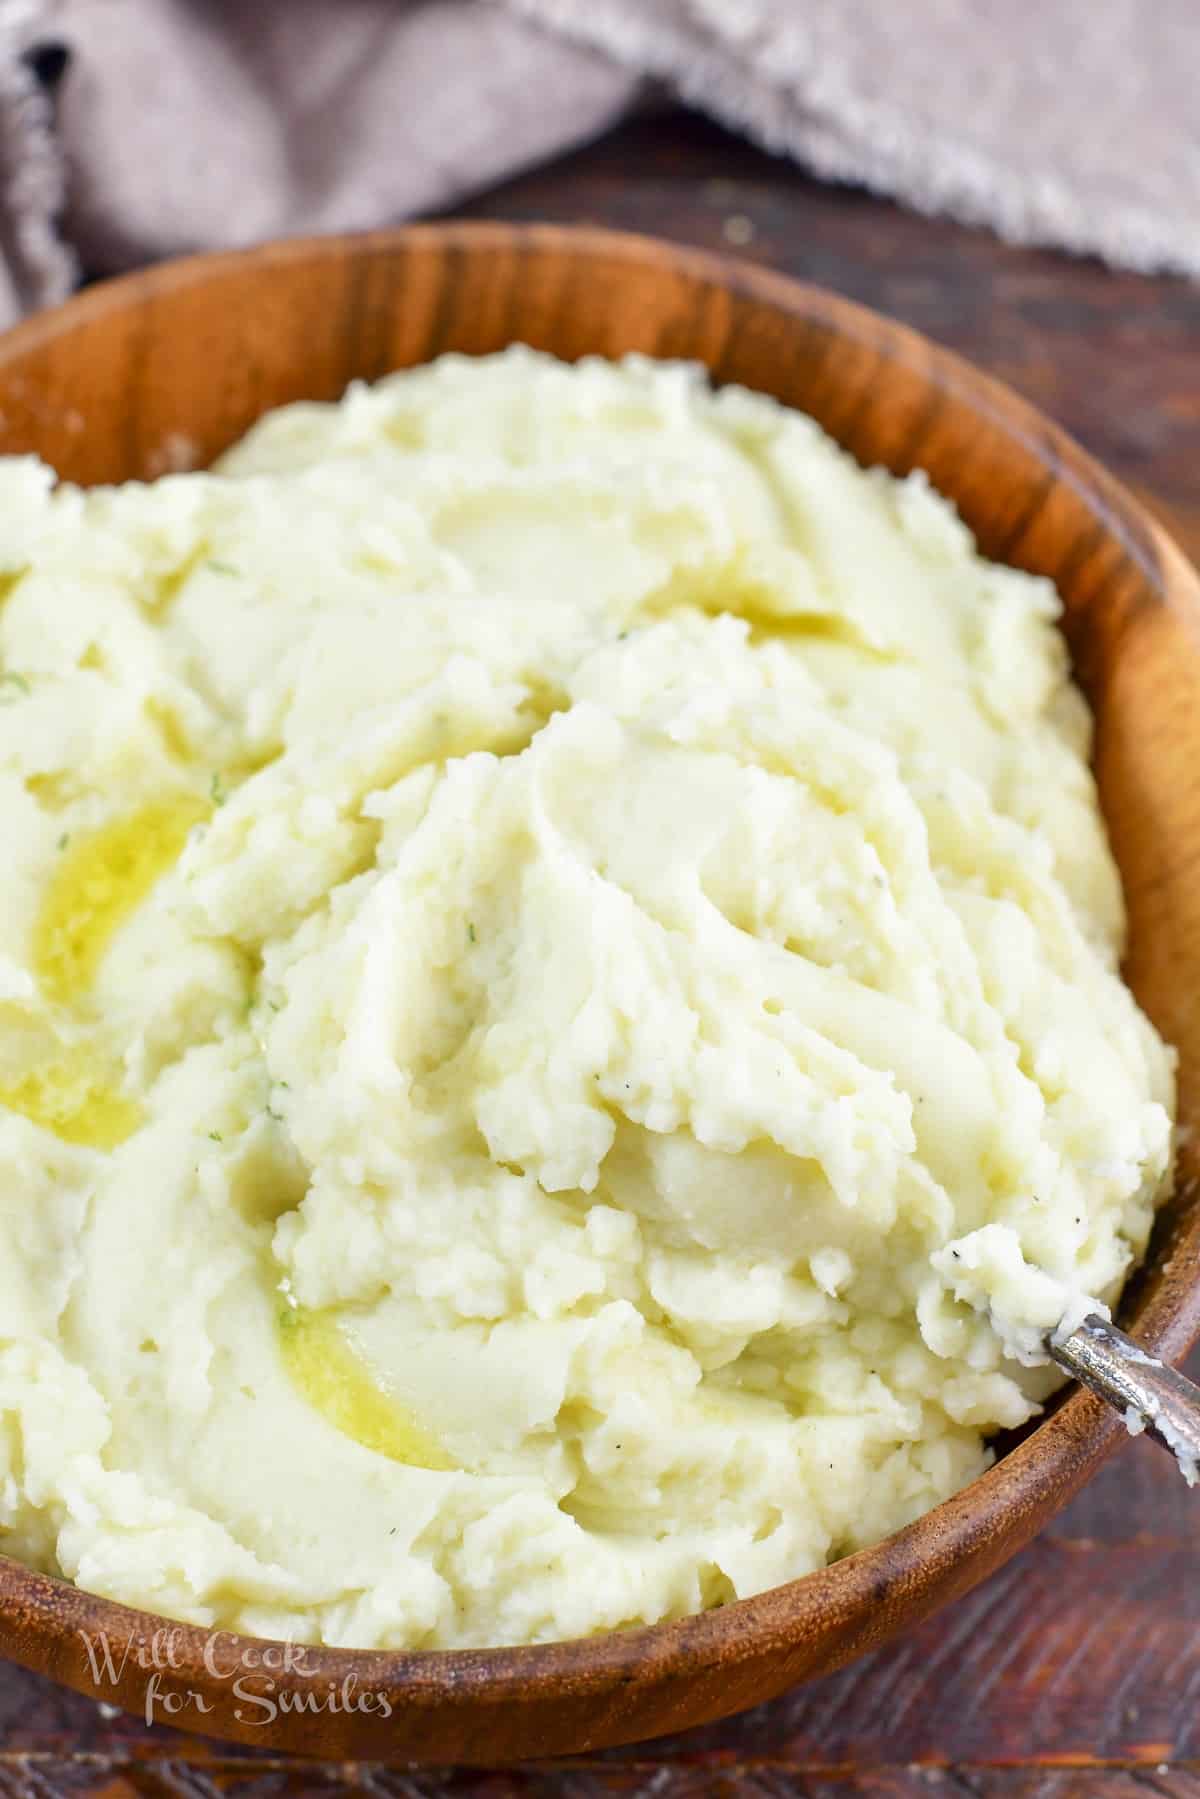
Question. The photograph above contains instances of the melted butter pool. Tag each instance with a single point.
(337, 1381)
(102, 877)
(70, 1096)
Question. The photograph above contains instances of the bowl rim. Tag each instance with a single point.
(1046, 1467)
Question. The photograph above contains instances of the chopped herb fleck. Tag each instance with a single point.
(221, 568)
(10, 678)
(216, 1137)
(64, 840)
(471, 932)
(276, 1116)
(216, 790)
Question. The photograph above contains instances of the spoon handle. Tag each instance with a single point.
(1153, 1397)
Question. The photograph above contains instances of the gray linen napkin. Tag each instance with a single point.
(184, 124)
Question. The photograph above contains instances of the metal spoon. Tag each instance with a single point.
(1153, 1397)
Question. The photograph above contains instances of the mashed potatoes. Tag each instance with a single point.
(560, 1036)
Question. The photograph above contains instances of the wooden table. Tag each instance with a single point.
(1075, 1672)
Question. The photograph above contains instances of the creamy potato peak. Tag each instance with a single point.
(561, 1040)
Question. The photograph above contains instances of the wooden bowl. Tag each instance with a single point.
(163, 370)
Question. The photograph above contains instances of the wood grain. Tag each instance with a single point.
(728, 1780)
(1002, 1677)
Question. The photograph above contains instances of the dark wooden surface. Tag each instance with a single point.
(1076, 1670)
